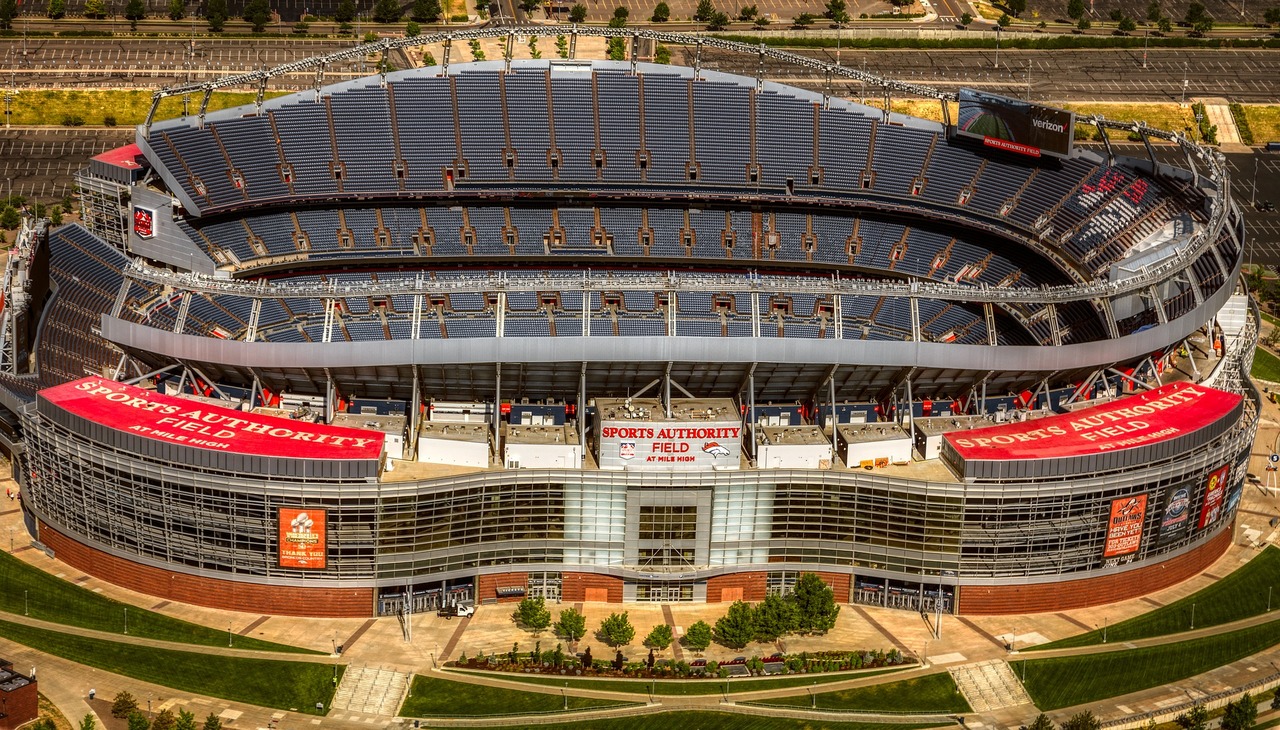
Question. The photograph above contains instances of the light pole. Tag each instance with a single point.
(126, 621)
(997, 46)
(1193, 615)
(24, 605)
(228, 633)
(564, 693)
(1104, 629)
(813, 695)
(1145, 38)
(1185, 84)
(1253, 197)
(1268, 598)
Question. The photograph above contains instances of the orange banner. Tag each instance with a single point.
(302, 538)
(1124, 529)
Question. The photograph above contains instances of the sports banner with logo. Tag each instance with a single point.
(1175, 521)
(1215, 492)
(1124, 528)
(670, 446)
(302, 538)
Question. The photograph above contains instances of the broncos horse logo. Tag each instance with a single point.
(715, 449)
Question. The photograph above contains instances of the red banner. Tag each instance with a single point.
(161, 417)
(1214, 492)
(302, 538)
(1138, 420)
(1124, 529)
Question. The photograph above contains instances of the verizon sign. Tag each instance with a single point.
(669, 446)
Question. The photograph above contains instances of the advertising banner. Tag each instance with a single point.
(670, 446)
(1014, 125)
(1176, 518)
(302, 538)
(1138, 420)
(1215, 491)
(144, 221)
(1124, 529)
(179, 421)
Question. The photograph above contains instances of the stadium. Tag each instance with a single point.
(618, 331)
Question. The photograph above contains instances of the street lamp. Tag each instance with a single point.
(813, 694)
(1253, 197)
(997, 46)
(228, 633)
(1193, 615)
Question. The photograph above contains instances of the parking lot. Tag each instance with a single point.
(39, 164)
(1262, 228)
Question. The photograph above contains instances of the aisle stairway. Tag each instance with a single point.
(371, 691)
(989, 685)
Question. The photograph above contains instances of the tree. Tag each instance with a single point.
(1154, 13)
(661, 13)
(1127, 25)
(660, 638)
(1004, 20)
(617, 631)
(1165, 25)
(837, 11)
(1084, 24)
(1082, 721)
(1196, 12)
(1272, 15)
(212, 722)
(736, 628)
(1241, 714)
(621, 13)
(88, 722)
(1042, 722)
(134, 11)
(1203, 25)
(165, 720)
(965, 20)
(387, 11)
(1075, 9)
(346, 11)
(1017, 7)
(529, 6)
(428, 59)
(186, 721)
(1197, 718)
(661, 54)
(815, 603)
(425, 11)
(412, 29)
(138, 721)
(123, 704)
(577, 13)
(802, 20)
(216, 14)
(57, 9)
(532, 613)
(177, 10)
(697, 637)
(255, 11)
(748, 13)
(1116, 14)
(704, 11)
(718, 21)
(775, 617)
(8, 11)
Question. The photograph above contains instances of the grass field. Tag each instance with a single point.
(1160, 116)
(27, 590)
(431, 697)
(932, 693)
(1068, 681)
(284, 685)
(50, 107)
(721, 721)
(1239, 595)
(1265, 366)
(1264, 121)
(692, 686)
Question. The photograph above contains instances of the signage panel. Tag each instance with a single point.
(1139, 420)
(302, 538)
(1215, 491)
(144, 222)
(1176, 518)
(1124, 528)
(670, 445)
(1015, 125)
(183, 422)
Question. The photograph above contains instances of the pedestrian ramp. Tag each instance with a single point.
(371, 691)
(989, 685)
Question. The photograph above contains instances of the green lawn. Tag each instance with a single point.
(431, 697)
(284, 685)
(1265, 366)
(1239, 595)
(128, 107)
(27, 590)
(691, 686)
(722, 721)
(1264, 120)
(932, 693)
(1067, 681)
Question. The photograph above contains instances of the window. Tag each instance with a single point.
(667, 523)
(780, 582)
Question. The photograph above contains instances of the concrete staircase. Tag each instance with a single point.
(989, 685)
(371, 691)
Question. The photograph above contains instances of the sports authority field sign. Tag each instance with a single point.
(183, 422)
(1157, 415)
(670, 446)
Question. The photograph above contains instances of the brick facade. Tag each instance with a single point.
(574, 587)
(488, 585)
(212, 592)
(751, 586)
(21, 704)
(1044, 597)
